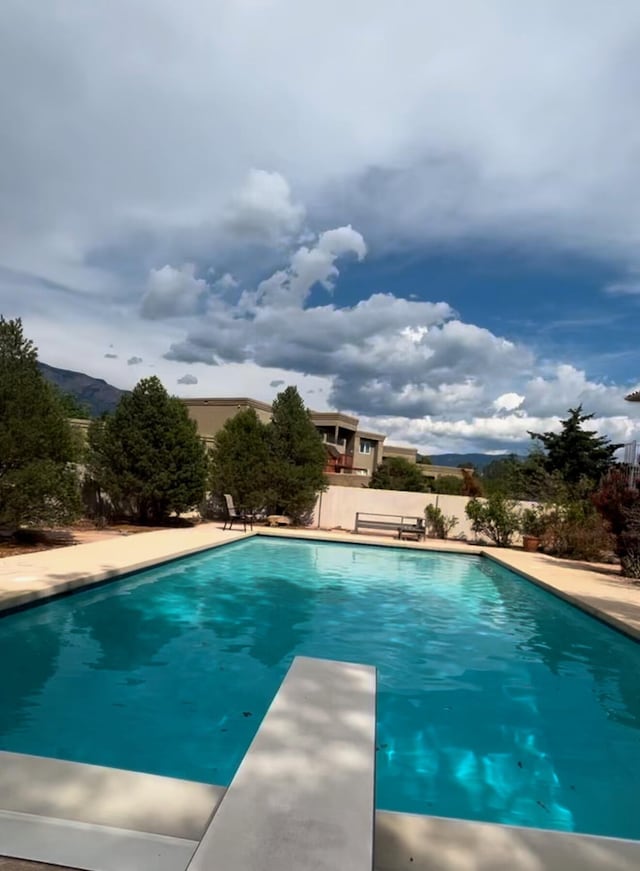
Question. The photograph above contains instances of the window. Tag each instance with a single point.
(366, 446)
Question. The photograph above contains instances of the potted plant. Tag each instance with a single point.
(533, 523)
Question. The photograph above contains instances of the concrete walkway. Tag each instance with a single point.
(33, 576)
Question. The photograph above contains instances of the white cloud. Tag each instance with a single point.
(508, 402)
(188, 379)
(628, 287)
(263, 208)
(172, 292)
(503, 131)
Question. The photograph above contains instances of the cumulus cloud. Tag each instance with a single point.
(500, 133)
(508, 402)
(263, 209)
(188, 379)
(172, 292)
(134, 361)
(277, 383)
(110, 356)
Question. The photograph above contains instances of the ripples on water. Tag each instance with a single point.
(496, 701)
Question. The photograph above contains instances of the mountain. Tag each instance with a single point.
(479, 461)
(94, 393)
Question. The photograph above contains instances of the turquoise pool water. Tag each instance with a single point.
(496, 700)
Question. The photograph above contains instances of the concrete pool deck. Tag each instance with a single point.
(83, 795)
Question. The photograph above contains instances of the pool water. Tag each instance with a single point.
(496, 701)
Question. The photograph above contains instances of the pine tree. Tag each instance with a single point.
(241, 461)
(576, 453)
(38, 483)
(298, 456)
(147, 455)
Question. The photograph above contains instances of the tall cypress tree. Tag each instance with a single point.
(38, 483)
(147, 455)
(298, 456)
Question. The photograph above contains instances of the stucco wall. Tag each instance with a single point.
(337, 507)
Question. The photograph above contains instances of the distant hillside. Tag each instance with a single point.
(94, 393)
(479, 461)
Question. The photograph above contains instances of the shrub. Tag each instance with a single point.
(576, 531)
(439, 524)
(618, 501)
(534, 522)
(496, 517)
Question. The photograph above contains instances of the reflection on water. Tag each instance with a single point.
(496, 701)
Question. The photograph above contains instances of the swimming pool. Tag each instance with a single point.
(496, 701)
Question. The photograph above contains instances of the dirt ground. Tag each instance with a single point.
(81, 533)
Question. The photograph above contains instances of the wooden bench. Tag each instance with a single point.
(405, 526)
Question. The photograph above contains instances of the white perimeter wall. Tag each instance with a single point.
(337, 507)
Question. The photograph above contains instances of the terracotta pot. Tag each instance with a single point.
(530, 543)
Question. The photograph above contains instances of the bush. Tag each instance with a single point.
(576, 531)
(447, 485)
(496, 517)
(534, 522)
(439, 524)
(397, 473)
(619, 504)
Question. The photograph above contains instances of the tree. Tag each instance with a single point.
(147, 455)
(298, 457)
(241, 461)
(70, 406)
(471, 485)
(396, 473)
(575, 452)
(447, 485)
(423, 460)
(38, 483)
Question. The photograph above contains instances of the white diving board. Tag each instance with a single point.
(303, 796)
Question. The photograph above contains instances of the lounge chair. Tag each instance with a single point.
(237, 515)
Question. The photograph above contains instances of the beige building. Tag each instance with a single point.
(352, 454)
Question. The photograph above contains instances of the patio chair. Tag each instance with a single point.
(237, 515)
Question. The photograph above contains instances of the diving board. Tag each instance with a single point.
(303, 796)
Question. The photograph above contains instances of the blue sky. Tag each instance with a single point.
(433, 227)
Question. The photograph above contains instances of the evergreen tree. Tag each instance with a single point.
(147, 455)
(38, 483)
(241, 461)
(397, 473)
(298, 456)
(575, 452)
